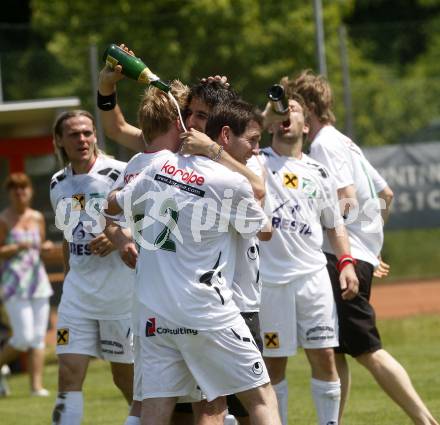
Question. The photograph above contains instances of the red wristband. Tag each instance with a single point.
(344, 261)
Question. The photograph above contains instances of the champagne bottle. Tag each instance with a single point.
(132, 67)
(278, 99)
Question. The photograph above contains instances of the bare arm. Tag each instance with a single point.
(113, 207)
(347, 199)
(339, 241)
(9, 250)
(265, 234)
(270, 117)
(197, 143)
(46, 246)
(114, 123)
(6, 251)
(123, 241)
(256, 182)
(387, 195)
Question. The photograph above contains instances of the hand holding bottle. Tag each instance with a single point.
(132, 66)
(110, 76)
(277, 109)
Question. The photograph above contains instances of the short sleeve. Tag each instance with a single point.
(379, 182)
(338, 162)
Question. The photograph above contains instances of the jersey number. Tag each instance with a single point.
(163, 240)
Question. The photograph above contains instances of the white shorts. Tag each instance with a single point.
(176, 360)
(299, 313)
(28, 319)
(110, 340)
(137, 373)
(195, 396)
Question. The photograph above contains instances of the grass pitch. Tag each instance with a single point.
(414, 342)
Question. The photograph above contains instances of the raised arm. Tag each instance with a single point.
(113, 120)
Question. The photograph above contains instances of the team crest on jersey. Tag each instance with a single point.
(290, 180)
(79, 201)
(271, 340)
(309, 188)
(62, 336)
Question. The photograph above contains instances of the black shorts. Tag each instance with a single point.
(183, 408)
(358, 333)
(234, 405)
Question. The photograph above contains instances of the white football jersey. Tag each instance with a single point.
(246, 283)
(303, 199)
(135, 166)
(132, 169)
(95, 287)
(190, 206)
(346, 161)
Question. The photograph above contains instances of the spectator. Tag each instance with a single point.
(25, 287)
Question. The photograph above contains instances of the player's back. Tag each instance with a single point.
(187, 254)
(347, 162)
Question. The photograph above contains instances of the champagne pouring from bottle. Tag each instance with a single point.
(134, 68)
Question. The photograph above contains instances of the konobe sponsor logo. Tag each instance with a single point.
(129, 177)
(184, 175)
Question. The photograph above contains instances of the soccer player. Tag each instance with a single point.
(236, 118)
(192, 327)
(155, 123)
(202, 98)
(94, 313)
(361, 184)
(297, 306)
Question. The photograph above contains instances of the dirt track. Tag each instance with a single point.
(394, 300)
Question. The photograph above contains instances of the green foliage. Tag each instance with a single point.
(253, 42)
(393, 50)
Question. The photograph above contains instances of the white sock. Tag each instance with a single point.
(282, 392)
(132, 420)
(230, 420)
(327, 396)
(68, 408)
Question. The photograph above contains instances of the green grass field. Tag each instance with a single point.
(412, 254)
(414, 342)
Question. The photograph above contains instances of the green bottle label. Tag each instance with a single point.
(132, 67)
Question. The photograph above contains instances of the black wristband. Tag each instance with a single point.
(106, 103)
